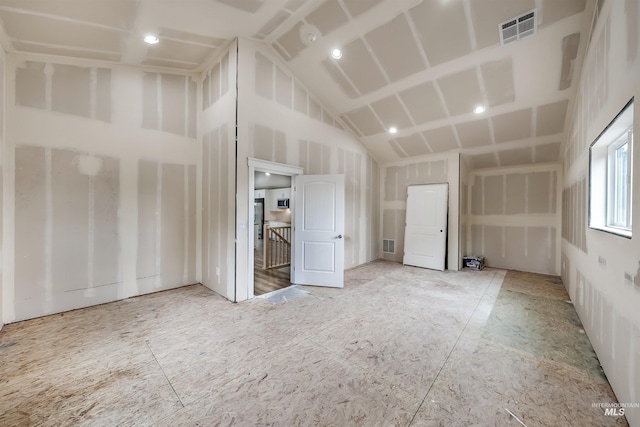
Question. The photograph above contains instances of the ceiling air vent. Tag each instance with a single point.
(518, 28)
(388, 246)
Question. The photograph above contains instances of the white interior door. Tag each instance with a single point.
(319, 230)
(425, 235)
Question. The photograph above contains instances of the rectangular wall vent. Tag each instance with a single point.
(388, 246)
(518, 28)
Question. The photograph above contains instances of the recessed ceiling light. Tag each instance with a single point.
(151, 39)
(393, 129)
(336, 53)
(479, 109)
(267, 173)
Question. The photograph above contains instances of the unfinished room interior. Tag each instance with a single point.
(319, 212)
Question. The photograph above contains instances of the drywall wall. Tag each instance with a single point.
(100, 184)
(218, 159)
(464, 198)
(600, 270)
(438, 168)
(514, 217)
(280, 121)
(2, 156)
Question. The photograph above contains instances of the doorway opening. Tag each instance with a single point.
(272, 232)
(271, 243)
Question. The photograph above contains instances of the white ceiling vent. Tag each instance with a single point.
(518, 28)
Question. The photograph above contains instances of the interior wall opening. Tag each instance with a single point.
(270, 194)
(272, 241)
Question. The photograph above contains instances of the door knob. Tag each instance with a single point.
(339, 236)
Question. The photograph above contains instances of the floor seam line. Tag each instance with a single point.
(163, 373)
(452, 349)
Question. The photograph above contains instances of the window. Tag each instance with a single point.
(610, 180)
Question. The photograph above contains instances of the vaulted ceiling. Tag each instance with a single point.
(421, 66)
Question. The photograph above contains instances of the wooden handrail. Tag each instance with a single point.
(277, 247)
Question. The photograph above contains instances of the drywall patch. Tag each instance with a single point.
(71, 93)
(88, 165)
(31, 85)
(147, 182)
(30, 219)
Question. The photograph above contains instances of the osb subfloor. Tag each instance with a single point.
(398, 346)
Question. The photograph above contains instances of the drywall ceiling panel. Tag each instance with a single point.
(423, 103)
(116, 14)
(547, 152)
(334, 71)
(484, 161)
(350, 125)
(554, 10)
(570, 46)
(413, 145)
(291, 42)
(461, 91)
(273, 23)
(364, 119)
(441, 139)
(486, 15)
(396, 49)
(550, 118)
(442, 29)
(57, 32)
(360, 67)
(474, 134)
(159, 62)
(498, 81)
(179, 51)
(169, 33)
(517, 156)
(358, 7)
(250, 6)
(60, 50)
(398, 150)
(327, 17)
(512, 126)
(294, 5)
(390, 111)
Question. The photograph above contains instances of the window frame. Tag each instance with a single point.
(603, 177)
(612, 182)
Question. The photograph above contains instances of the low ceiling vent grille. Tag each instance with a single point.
(518, 28)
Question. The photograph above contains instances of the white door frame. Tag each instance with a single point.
(257, 165)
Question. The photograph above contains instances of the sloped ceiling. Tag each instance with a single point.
(421, 66)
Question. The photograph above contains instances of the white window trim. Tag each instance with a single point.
(600, 172)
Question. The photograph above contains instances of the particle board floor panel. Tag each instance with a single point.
(397, 346)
